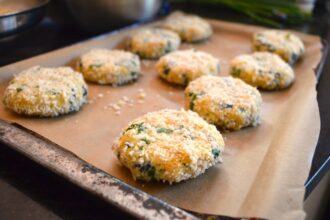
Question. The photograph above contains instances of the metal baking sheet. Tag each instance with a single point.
(83, 174)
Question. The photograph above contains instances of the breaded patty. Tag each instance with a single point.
(284, 43)
(169, 146)
(153, 43)
(190, 28)
(114, 67)
(263, 70)
(46, 92)
(226, 102)
(181, 67)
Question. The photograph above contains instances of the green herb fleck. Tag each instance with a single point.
(257, 47)
(270, 48)
(19, 89)
(145, 140)
(235, 72)
(152, 172)
(225, 105)
(81, 67)
(164, 130)
(53, 92)
(277, 79)
(259, 35)
(185, 79)
(193, 97)
(140, 127)
(134, 74)
(95, 66)
(182, 32)
(242, 109)
(147, 168)
(168, 47)
(216, 153)
(294, 58)
(133, 62)
(143, 55)
(72, 106)
(287, 36)
(85, 92)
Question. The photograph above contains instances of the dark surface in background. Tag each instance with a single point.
(46, 36)
(28, 191)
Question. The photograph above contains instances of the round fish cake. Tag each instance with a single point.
(114, 67)
(226, 102)
(181, 67)
(169, 146)
(263, 70)
(190, 28)
(284, 43)
(46, 92)
(153, 43)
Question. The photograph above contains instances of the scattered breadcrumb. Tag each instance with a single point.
(115, 107)
(119, 105)
(121, 102)
(125, 98)
(146, 63)
(142, 96)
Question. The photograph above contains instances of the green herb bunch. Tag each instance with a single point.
(268, 12)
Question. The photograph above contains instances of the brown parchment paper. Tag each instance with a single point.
(264, 168)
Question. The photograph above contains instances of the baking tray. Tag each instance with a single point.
(81, 173)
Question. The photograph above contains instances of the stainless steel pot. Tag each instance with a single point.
(18, 15)
(102, 15)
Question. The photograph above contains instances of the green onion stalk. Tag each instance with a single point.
(267, 12)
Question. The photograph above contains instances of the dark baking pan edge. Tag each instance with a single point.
(321, 171)
(325, 50)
